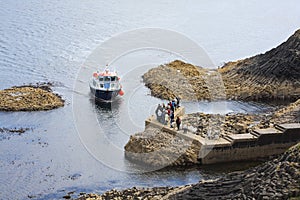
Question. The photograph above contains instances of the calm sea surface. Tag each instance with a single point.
(43, 41)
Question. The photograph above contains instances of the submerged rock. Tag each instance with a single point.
(29, 98)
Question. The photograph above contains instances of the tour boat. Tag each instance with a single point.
(106, 85)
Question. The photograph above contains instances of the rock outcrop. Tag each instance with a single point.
(272, 75)
(177, 79)
(130, 194)
(29, 98)
(158, 149)
(276, 179)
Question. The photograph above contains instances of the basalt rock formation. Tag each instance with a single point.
(29, 98)
(156, 148)
(272, 75)
(177, 79)
(276, 179)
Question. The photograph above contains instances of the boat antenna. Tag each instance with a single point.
(106, 67)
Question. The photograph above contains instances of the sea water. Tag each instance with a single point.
(43, 41)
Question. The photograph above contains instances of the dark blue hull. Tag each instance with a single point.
(104, 95)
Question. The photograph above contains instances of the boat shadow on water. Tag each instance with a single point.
(101, 105)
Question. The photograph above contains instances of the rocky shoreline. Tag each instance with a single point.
(276, 179)
(30, 98)
(157, 193)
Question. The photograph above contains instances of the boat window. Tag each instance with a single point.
(113, 78)
(106, 78)
(100, 78)
(101, 85)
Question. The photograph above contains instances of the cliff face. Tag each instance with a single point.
(275, 66)
(274, 74)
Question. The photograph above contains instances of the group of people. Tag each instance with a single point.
(166, 113)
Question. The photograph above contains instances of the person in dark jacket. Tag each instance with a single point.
(178, 102)
(178, 122)
(173, 105)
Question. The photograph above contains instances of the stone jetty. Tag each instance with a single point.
(207, 139)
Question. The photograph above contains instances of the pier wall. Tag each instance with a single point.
(259, 143)
(244, 153)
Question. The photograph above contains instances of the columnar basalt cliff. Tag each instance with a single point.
(272, 75)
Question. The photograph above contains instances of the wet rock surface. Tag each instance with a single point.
(269, 76)
(29, 98)
(131, 194)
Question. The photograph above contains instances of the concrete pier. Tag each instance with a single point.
(260, 143)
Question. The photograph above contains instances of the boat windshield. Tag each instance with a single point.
(108, 78)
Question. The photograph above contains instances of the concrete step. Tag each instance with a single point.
(255, 133)
(279, 127)
(266, 131)
(289, 126)
(228, 138)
